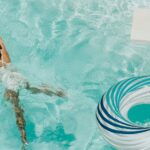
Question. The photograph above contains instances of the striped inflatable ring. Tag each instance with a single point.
(112, 114)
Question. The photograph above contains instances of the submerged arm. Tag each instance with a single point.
(45, 90)
(13, 97)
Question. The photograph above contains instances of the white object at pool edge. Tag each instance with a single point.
(141, 25)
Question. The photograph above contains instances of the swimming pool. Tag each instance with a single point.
(81, 46)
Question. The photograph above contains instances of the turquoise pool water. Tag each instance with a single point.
(81, 46)
(141, 112)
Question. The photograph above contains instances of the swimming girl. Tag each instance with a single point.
(13, 82)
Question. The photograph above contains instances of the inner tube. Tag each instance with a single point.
(112, 114)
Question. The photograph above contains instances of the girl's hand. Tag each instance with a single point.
(1, 44)
(61, 94)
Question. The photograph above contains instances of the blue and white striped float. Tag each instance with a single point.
(112, 114)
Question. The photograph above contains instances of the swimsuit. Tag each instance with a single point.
(11, 79)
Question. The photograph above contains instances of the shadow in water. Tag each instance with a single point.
(58, 135)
